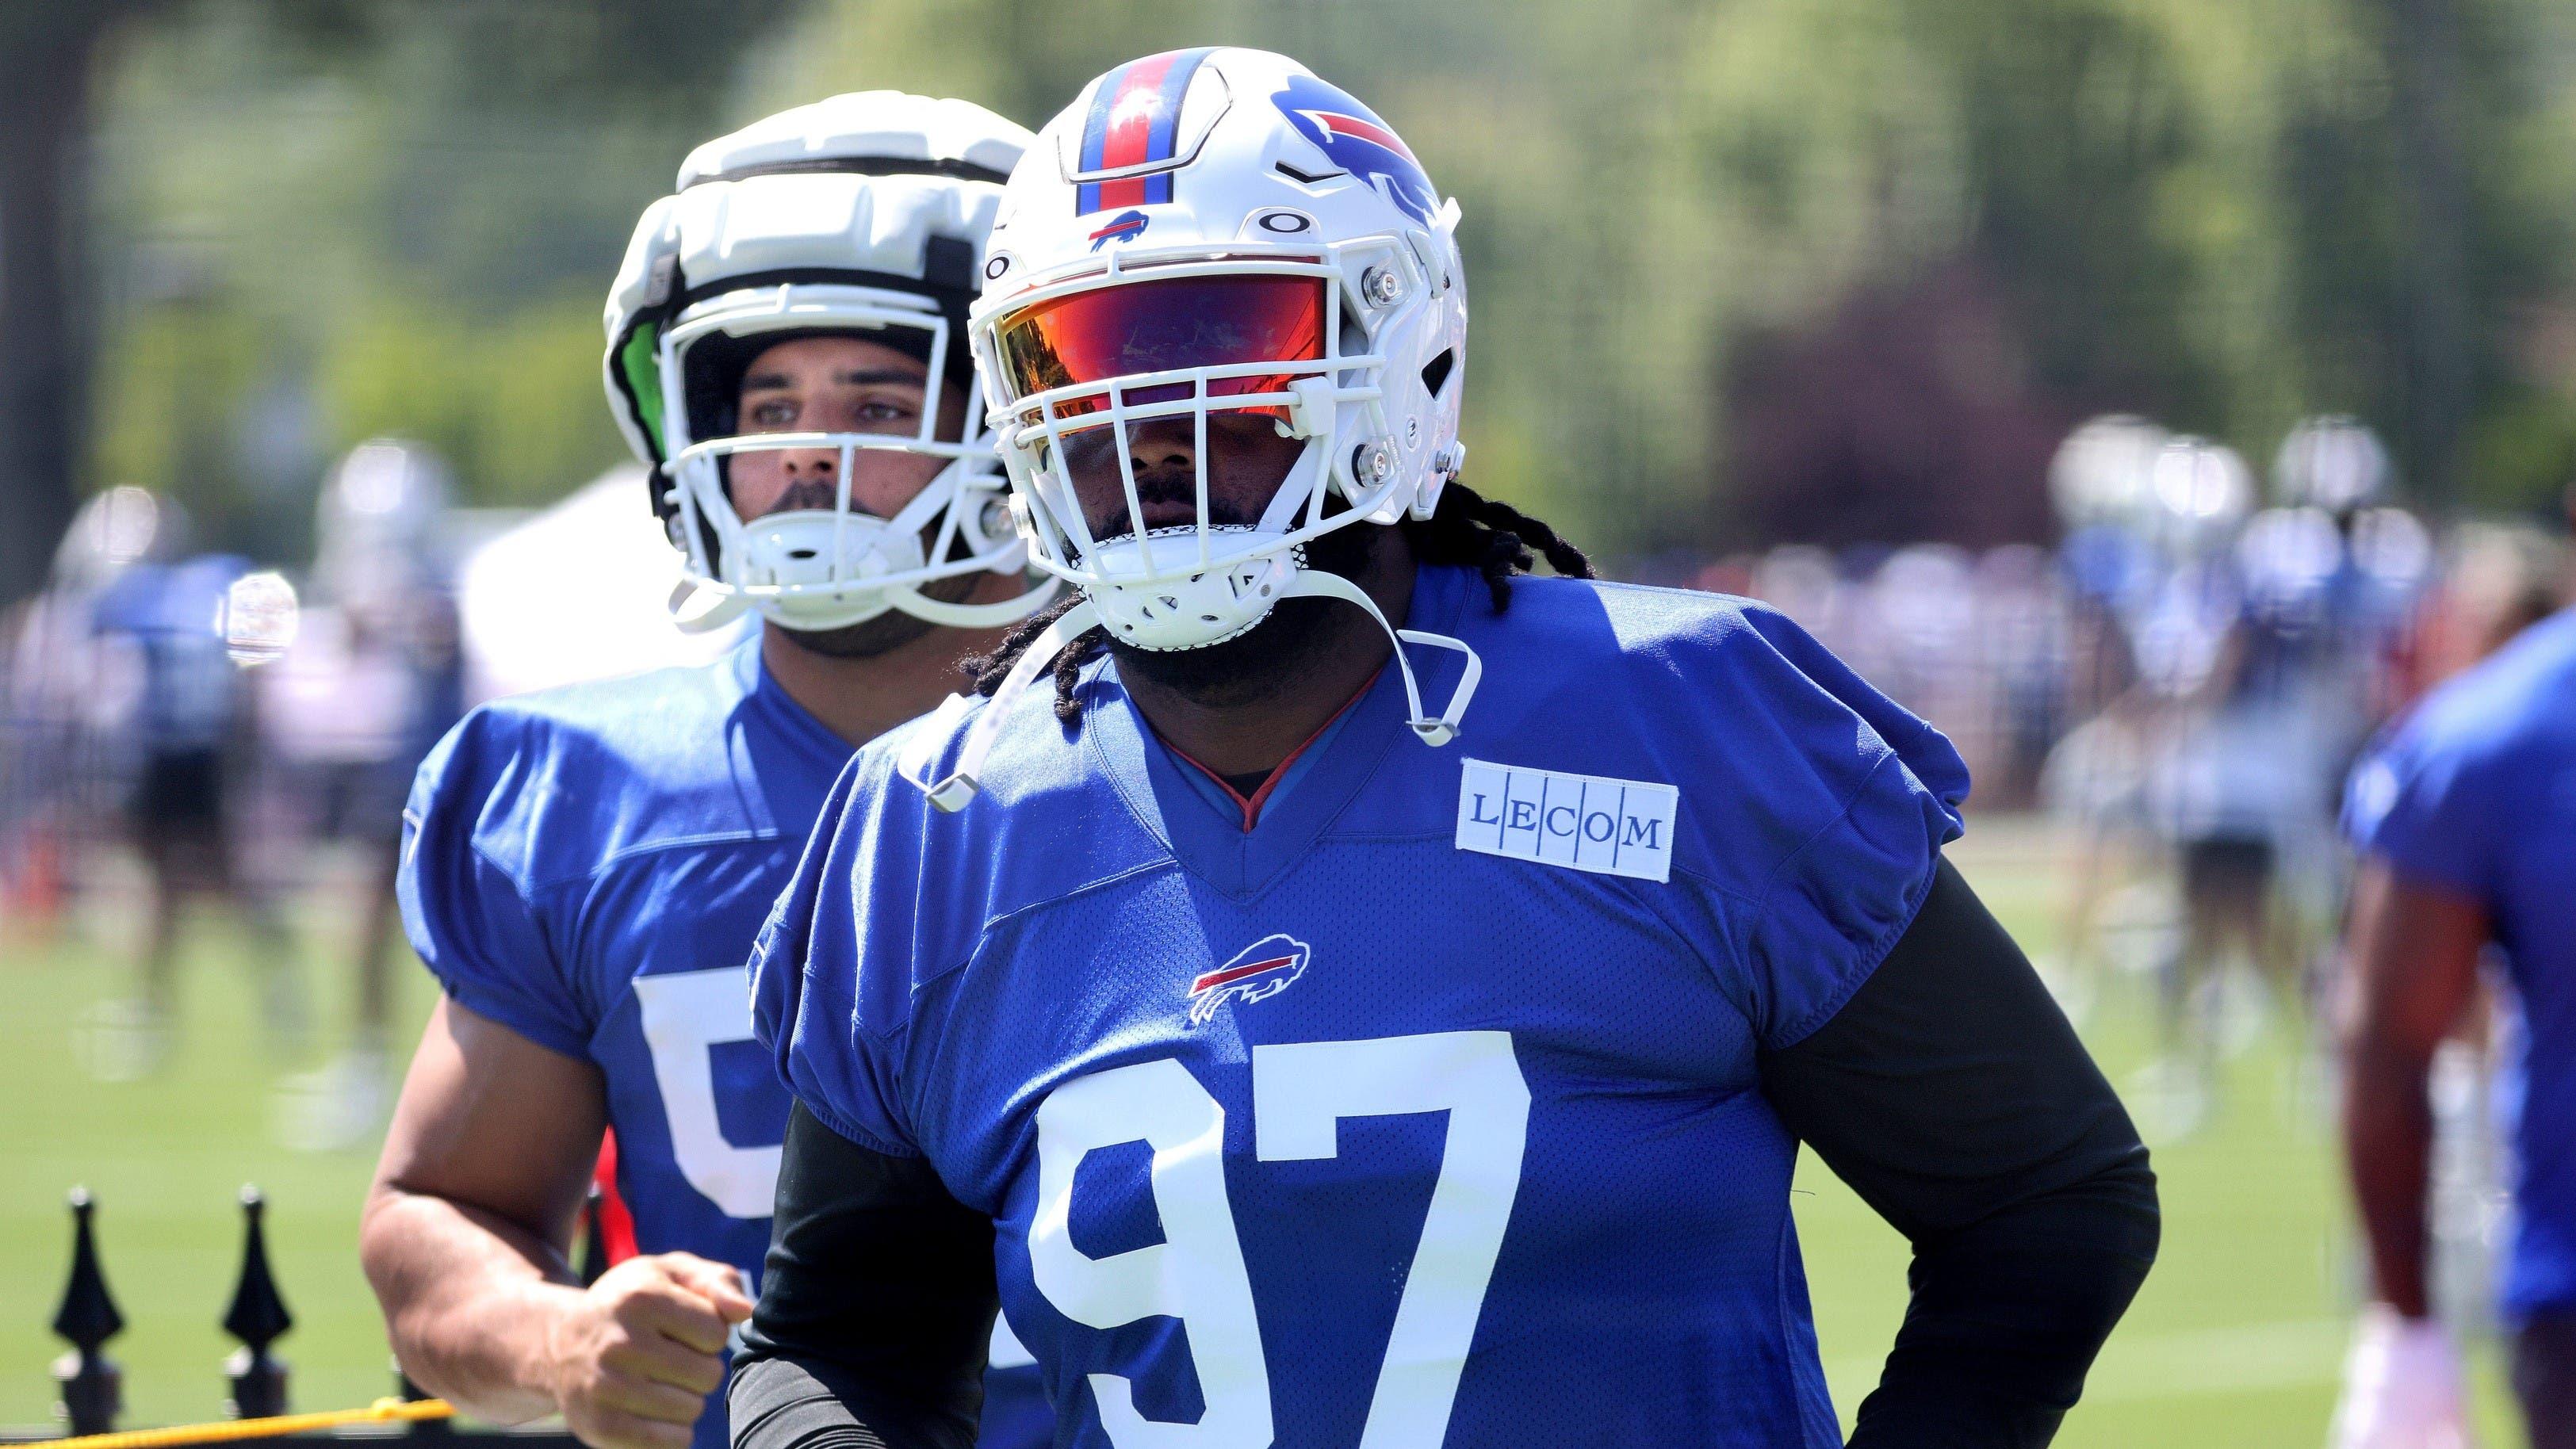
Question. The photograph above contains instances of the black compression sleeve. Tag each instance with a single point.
(876, 1306)
(1952, 1095)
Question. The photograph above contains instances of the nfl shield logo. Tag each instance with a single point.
(1258, 971)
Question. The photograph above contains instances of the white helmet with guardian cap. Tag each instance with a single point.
(377, 523)
(2203, 494)
(2335, 463)
(865, 213)
(1219, 231)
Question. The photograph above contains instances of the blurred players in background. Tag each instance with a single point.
(184, 725)
(2465, 820)
(56, 756)
(376, 678)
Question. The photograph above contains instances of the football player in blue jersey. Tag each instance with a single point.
(190, 720)
(584, 869)
(1379, 1001)
(2465, 819)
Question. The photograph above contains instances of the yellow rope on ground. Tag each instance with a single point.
(382, 1411)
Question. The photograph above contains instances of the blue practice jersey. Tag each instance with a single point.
(174, 613)
(2475, 792)
(587, 866)
(1426, 1110)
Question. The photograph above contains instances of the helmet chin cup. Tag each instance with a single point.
(810, 547)
(1177, 605)
(801, 554)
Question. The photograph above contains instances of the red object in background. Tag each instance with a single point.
(616, 1224)
(31, 895)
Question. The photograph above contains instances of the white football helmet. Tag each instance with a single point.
(2335, 463)
(2103, 474)
(377, 523)
(864, 213)
(2202, 493)
(1209, 231)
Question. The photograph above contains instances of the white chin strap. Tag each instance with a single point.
(952, 793)
(728, 607)
(692, 613)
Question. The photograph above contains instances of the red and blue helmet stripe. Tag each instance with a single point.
(1135, 119)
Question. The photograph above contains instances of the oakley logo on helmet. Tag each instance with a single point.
(1258, 972)
(1352, 137)
(1283, 222)
(1125, 227)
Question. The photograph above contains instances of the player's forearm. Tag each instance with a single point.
(472, 1302)
(2388, 1142)
(825, 1367)
(2007, 1316)
(777, 1400)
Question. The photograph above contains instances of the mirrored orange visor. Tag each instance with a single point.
(1107, 333)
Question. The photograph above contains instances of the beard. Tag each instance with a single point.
(866, 639)
(1267, 657)
(886, 632)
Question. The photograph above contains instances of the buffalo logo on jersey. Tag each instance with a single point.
(1352, 137)
(1258, 971)
(1124, 227)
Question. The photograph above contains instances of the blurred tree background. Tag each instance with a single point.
(1742, 270)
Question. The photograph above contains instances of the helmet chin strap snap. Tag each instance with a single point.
(951, 793)
(1316, 583)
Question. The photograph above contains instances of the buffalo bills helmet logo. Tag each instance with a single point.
(1258, 971)
(1352, 137)
(1123, 227)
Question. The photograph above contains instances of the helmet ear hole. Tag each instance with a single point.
(1435, 373)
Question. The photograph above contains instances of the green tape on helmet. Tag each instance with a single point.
(644, 381)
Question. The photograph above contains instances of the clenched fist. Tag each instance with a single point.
(632, 1365)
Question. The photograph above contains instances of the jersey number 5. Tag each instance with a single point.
(687, 1014)
(1196, 1274)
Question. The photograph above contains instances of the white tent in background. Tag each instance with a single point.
(579, 591)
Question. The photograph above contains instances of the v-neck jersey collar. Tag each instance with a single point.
(1204, 831)
(767, 701)
(1221, 789)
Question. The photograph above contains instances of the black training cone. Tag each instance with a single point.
(92, 1387)
(258, 1318)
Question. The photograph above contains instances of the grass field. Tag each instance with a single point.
(2235, 1341)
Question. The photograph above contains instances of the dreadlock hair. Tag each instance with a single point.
(1466, 529)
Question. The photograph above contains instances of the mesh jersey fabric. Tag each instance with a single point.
(586, 866)
(1008, 992)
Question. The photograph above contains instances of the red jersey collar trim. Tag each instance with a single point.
(1251, 806)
